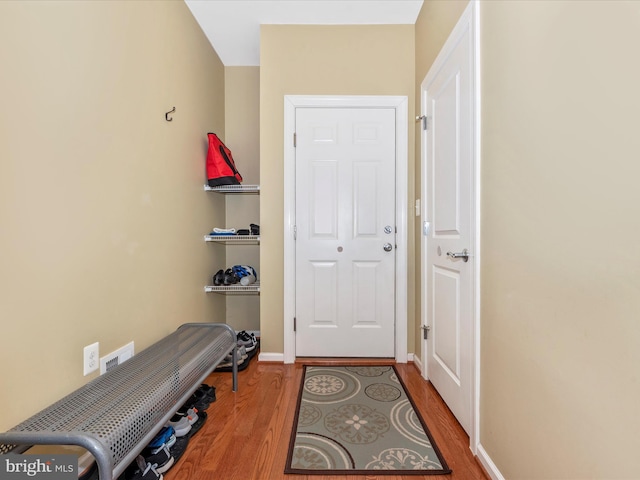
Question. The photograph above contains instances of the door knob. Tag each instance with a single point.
(387, 247)
(464, 255)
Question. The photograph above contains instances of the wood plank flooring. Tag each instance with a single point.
(246, 435)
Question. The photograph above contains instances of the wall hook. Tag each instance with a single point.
(166, 115)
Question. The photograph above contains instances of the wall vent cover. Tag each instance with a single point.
(115, 358)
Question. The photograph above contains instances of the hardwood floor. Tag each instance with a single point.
(247, 433)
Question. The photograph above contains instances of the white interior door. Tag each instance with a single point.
(345, 232)
(447, 94)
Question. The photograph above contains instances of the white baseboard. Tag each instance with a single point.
(279, 357)
(488, 464)
(271, 357)
(417, 362)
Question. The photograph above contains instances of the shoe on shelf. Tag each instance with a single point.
(190, 413)
(179, 447)
(162, 460)
(170, 443)
(180, 424)
(209, 392)
(247, 340)
(198, 400)
(230, 277)
(165, 436)
(218, 278)
(141, 470)
(246, 274)
(241, 356)
(195, 418)
(255, 229)
(195, 428)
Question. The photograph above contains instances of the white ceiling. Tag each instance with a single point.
(233, 26)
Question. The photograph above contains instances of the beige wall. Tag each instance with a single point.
(560, 256)
(102, 210)
(318, 60)
(242, 136)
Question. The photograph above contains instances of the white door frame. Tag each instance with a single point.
(469, 21)
(400, 104)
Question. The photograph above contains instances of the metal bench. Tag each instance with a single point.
(117, 414)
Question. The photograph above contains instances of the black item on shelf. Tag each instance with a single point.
(230, 278)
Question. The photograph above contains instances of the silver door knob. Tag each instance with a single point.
(387, 247)
(464, 255)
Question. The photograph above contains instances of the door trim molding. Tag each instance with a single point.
(400, 104)
(469, 21)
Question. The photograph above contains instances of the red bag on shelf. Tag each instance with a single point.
(221, 169)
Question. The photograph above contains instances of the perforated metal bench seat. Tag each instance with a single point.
(117, 414)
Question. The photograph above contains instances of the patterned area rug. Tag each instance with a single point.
(357, 420)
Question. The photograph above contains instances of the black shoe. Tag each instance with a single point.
(209, 391)
(162, 460)
(141, 470)
(218, 278)
(198, 400)
(230, 278)
(201, 398)
(197, 425)
(255, 229)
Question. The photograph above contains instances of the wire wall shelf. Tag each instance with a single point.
(234, 289)
(231, 189)
(233, 239)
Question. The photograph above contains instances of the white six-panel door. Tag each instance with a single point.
(448, 196)
(345, 232)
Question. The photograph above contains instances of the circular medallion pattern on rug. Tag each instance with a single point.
(383, 392)
(332, 386)
(317, 452)
(309, 414)
(357, 424)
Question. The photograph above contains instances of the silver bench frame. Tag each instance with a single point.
(117, 414)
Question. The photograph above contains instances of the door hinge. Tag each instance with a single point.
(294, 324)
(425, 331)
(295, 232)
(423, 120)
(295, 140)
